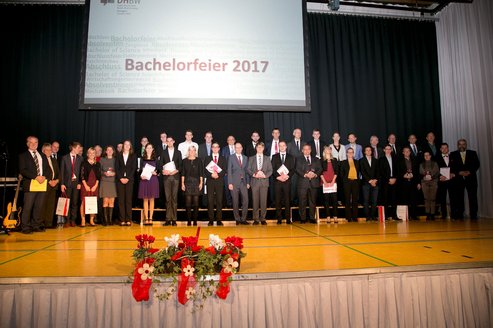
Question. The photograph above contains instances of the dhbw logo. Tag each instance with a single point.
(104, 2)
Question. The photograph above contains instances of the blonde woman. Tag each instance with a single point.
(328, 179)
(90, 174)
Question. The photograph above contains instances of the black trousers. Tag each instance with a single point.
(171, 185)
(409, 196)
(471, 186)
(388, 199)
(73, 194)
(215, 192)
(192, 202)
(330, 203)
(351, 196)
(445, 188)
(307, 195)
(125, 196)
(32, 212)
(282, 196)
(49, 206)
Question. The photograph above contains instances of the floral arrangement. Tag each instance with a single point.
(189, 266)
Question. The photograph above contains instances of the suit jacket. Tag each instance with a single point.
(28, 170)
(177, 158)
(249, 150)
(66, 169)
(277, 163)
(314, 150)
(293, 150)
(221, 162)
(358, 152)
(385, 169)
(398, 151)
(266, 168)
(419, 151)
(427, 147)
(56, 169)
(238, 174)
(369, 172)
(302, 167)
(380, 152)
(344, 169)
(268, 146)
(402, 169)
(471, 164)
(202, 151)
(123, 170)
(225, 152)
(159, 150)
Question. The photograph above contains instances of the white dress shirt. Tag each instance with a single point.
(184, 146)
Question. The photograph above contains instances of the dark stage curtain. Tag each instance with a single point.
(39, 81)
(369, 76)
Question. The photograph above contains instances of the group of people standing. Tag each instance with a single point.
(284, 173)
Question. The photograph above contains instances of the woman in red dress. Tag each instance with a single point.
(90, 174)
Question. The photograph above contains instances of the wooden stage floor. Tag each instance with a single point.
(106, 251)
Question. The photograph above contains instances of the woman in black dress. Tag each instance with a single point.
(90, 175)
(191, 183)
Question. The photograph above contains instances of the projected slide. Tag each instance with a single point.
(195, 54)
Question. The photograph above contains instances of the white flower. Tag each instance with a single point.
(170, 290)
(173, 241)
(229, 265)
(188, 271)
(215, 241)
(145, 271)
(190, 292)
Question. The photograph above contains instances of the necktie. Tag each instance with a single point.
(282, 158)
(463, 156)
(298, 144)
(276, 148)
(73, 167)
(259, 163)
(215, 159)
(35, 157)
(393, 149)
(308, 160)
(414, 149)
(239, 160)
(317, 147)
(231, 150)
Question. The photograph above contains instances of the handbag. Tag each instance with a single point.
(90, 205)
(63, 205)
(402, 212)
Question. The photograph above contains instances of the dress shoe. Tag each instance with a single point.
(289, 221)
(263, 222)
(173, 223)
(279, 221)
(256, 223)
(27, 231)
(72, 223)
(189, 223)
(302, 221)
(244, 222)
(39, 229)
(194, 223)
(238, 223)
(220, 223)
(210, 224)
(167, 223)
(312, 221)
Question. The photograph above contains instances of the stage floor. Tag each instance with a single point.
(106, 251)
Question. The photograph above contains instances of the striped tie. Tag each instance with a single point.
(35, 157)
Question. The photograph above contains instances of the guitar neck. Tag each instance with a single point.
(14, 203)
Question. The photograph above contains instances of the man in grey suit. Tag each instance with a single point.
(308, 169)
(260, 169)
(239, 183)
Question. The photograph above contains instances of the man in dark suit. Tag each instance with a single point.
(465, 164)
(171, 179)
(396, 150)
(260, 169)
(376, 151)
(55, 148)
(430, 146)
(308, 169)
(159, 151)
(239, 183)
(387, 166)
(250, 147)
(34, 170)
(317, 144)
(215, 184)
(69, 180)
(416, 151)
(272, 147)
(370, 179)
(295, 146)
(205, 149)
(52, 187)
(226, 152)
(408, 179)
(445, 183)
(282, 183)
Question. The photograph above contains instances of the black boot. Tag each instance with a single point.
(110, 216)
(104, 216)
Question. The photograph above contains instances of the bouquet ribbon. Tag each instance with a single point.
(140, 288)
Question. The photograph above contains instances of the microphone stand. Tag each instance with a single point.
(5, 157)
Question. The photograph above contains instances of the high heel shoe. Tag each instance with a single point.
(189, 223)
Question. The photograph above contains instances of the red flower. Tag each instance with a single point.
(236, 241)
(176, 256)
(196, 249)
(190, 241)
(211, 250)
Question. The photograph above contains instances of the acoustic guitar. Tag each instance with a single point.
(13, 218)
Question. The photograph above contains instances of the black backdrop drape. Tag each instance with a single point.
(368, 75)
